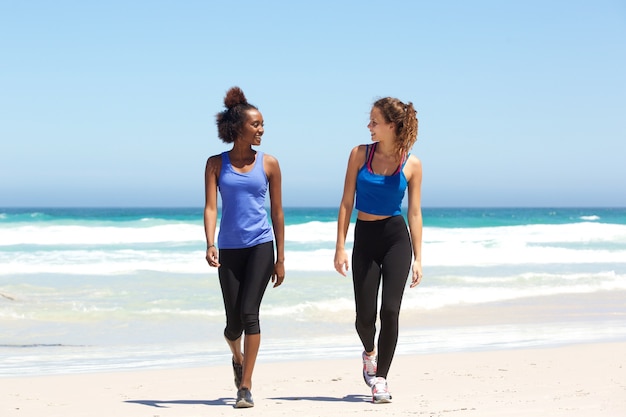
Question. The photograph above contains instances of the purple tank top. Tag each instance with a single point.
(244, 220)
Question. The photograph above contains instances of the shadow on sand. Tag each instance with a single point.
(231, 401)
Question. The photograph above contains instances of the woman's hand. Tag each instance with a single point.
(341, 261)
(417, 274)
(279, 273)
(211, 257)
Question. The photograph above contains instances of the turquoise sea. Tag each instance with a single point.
(100, 289)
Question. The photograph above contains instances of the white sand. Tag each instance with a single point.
(576, 380)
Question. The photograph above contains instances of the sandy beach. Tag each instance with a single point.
(573, 380)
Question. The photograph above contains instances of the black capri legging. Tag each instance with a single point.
(382, 250)
(244, 275)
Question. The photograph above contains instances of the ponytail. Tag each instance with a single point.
(404, 116)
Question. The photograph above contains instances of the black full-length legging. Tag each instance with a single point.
(381, 252)
(244, 275)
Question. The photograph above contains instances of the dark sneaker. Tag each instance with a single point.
(380, 391)
(238, 372)
(369, 369)
(244, 399)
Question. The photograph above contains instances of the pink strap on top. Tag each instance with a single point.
(370, 157)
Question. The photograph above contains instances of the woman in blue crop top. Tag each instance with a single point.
(246, 240)
(379, 175)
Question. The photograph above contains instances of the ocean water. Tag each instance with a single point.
(99, 289)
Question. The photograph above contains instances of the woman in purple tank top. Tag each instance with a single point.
(379, 176)
(246, 260)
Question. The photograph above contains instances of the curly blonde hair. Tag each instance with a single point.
(404, 116)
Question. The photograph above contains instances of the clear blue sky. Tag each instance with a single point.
(113, 103)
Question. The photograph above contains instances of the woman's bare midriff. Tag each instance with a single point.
(370, 217)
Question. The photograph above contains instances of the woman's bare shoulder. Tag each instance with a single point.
(414, 161)
(214, 162)
(413, 168)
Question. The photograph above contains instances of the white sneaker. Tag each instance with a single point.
(369, 369)
(380, 391)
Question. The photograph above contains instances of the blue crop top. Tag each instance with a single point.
(244, 220)
(379, 194)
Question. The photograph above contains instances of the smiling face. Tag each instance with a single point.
(252, 128)
(379, 128)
